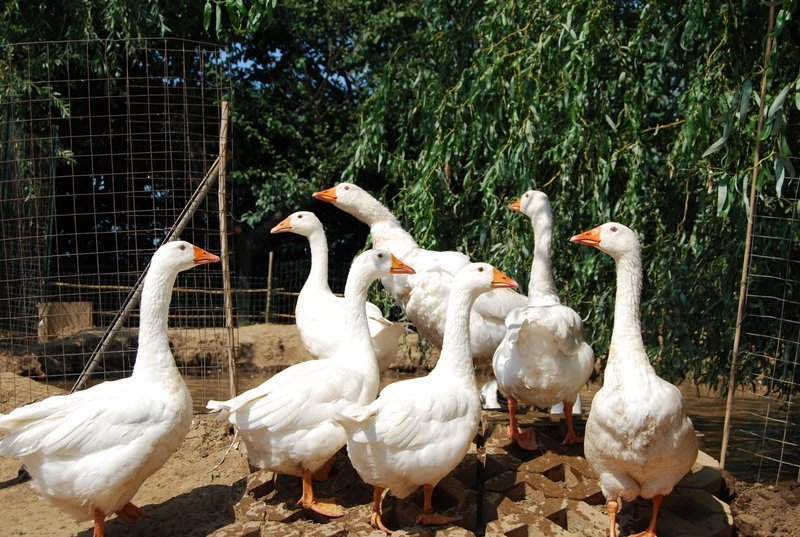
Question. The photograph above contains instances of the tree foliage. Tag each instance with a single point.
(641, 112)
(608, 107)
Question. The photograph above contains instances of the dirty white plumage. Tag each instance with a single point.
(89, 452)
(318, 313)
(639, 439)
(423, 296)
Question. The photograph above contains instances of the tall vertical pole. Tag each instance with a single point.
(225, 253)
(747, 243)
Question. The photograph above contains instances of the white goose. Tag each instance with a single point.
(423, 296)
(418, 430)
(543, 359)
(89, 452)
(318, 312)
(287, 422)
(639, 439)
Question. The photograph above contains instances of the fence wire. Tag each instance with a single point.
(765, 423)
(101, 147)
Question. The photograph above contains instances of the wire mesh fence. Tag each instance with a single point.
(102, 147)
(765, 422)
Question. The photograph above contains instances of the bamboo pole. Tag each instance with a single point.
(225, 254)
(748, 243)
(133, 297)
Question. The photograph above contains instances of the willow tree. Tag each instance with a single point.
(640, 112)
(615, 110)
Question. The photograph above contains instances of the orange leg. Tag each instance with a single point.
(526, 439)
(376, 520)
(99, 523)
(651, 528)
(428, 517)
(131, 513)
(325, 507)
(572, 437)
(613, 509)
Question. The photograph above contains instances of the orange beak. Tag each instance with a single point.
(328, 195)
(398, 267)
(283, 226)
(499, 279)
(201, 257)
(515, 206)
(589, 238)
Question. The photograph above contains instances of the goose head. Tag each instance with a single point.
(377, 263)
(613, 238)
(177, 256)
(532, 203)
(482, 277)
(301, 222)
(344, 194)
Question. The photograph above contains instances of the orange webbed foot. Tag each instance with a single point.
(325, 507)
(571, 439)
(376, 521)
(526, 439)
(130, 512)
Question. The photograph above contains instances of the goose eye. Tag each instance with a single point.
(480, 269)
(347, 187)
(182, 246)
(380, 256)
(614, 228)
(299, 216)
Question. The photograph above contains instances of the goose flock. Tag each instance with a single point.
(90, 451)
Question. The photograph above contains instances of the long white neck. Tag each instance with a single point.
(626, 338)
(455, 360)
(383, 225)
(358, 339)
(318, 275)
(153, 352)
(542, 286)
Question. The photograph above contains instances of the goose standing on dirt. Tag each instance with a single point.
(639, 439)
(318, 312)
(543, 359)
(423, 296)
(88, 452)
(287, 422)
(418, 430)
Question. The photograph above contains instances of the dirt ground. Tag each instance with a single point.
(200, 491)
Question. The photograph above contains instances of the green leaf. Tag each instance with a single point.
(777, 104)
(722, 197)
(610, 122)
(207, 15)
(716, 146)
(780, 176)
(797, 94)
(747, 91)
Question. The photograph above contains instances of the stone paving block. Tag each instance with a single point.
(706, 475)
(497, 490)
